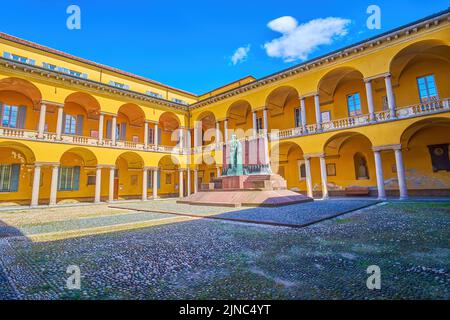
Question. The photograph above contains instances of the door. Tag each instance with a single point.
(116, 185)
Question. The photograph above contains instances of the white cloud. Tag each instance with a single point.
(240, 55)
(298, 41)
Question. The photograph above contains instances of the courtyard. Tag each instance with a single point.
(164, 250)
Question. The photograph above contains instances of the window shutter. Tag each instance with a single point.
(22, 114)
(159, 180)
(149, 179)
(80, 125)
(108, 129)
(15, 175)
(76, 178)
(123, 131)
(159, 136)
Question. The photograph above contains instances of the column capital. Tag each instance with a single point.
(46, 164)
(387, 147)
(314, 155)
(105, 166)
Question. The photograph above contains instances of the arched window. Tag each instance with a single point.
(361, 168)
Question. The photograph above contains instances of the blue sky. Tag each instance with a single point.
(190, 44)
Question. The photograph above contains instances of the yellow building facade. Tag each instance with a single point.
(374, 117)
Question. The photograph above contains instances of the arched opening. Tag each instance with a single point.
(18, 99)
(76, 176)
(130, 123)
(287, 160)
(128, 176)
(284, 108)
(420, 73)
(349, 163)
(426, 157)
(240, 121)
(80, 117)
(342, 94)
(168, 177)
(168, 134)
(16, 173)
(207, 123)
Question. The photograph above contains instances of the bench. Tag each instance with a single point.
(357, 191)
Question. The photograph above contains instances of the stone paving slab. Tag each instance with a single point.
(204, 259)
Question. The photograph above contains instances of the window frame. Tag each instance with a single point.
(428, 98)
(352, 95)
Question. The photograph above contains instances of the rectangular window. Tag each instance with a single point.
(326, 116)
(66, 179)
(5, 178)
(10, 116)
(149, 179)
(298, 117)
(154, 94)
(119, 85)
(91, 180)
(259, 124)
(135, 139)
(70, 124)
(179, 101)
(427, 89)
(354, 105)
(301, 170)
(331, 169)
(151, 136)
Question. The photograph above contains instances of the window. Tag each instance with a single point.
(427, 89)
(149, 179)
(18, 58)
(64, 70)
(69, 179)
(298, 117)
(134, 180)
(151, 136)
(119, 85)
(154, 94)
(301, 170)
(9, 177)
(326, 116)
(354, 105)
(91, 180)
(10, 116)
(135, 139)
(179, 101)
(70, 124)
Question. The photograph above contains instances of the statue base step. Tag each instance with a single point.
(245, 198)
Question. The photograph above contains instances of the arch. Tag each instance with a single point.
(29, 157)
(132, 159)
(208, 120)
(87, 156)
(426, 49)
(239, 111)
(134, 114)
(168, 163)
(329, 83)
(278, 99)
(87, 102)
(410, 132)
(334, 144)
(24, 88)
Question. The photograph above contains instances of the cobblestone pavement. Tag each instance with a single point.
(225, 260)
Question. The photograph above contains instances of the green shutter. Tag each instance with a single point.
(15, 175)
(80, 125)
(76, 178)
(21, 117)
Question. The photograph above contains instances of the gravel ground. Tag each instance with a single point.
(206, 259)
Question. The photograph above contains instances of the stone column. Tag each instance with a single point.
(181, 183)
(41, 126)
(390, 96)
(318, 112)
(101, 121)
(189, 182)
(323, 171)
(98, 185)
(401, 173)
(144, 183)
(370, 104)
(113, 130)
(155, 183)
(255, 129)
(217, 134)
(112, 173)
(181, 138)
(225, 131)
(219, 173)
(303, 113)
(195, 181)
(309, 188)
(36, 185)
(380, 176)
(156, 138)
(54, 184)
(266, 120)
(59, 122)
(145, 134)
